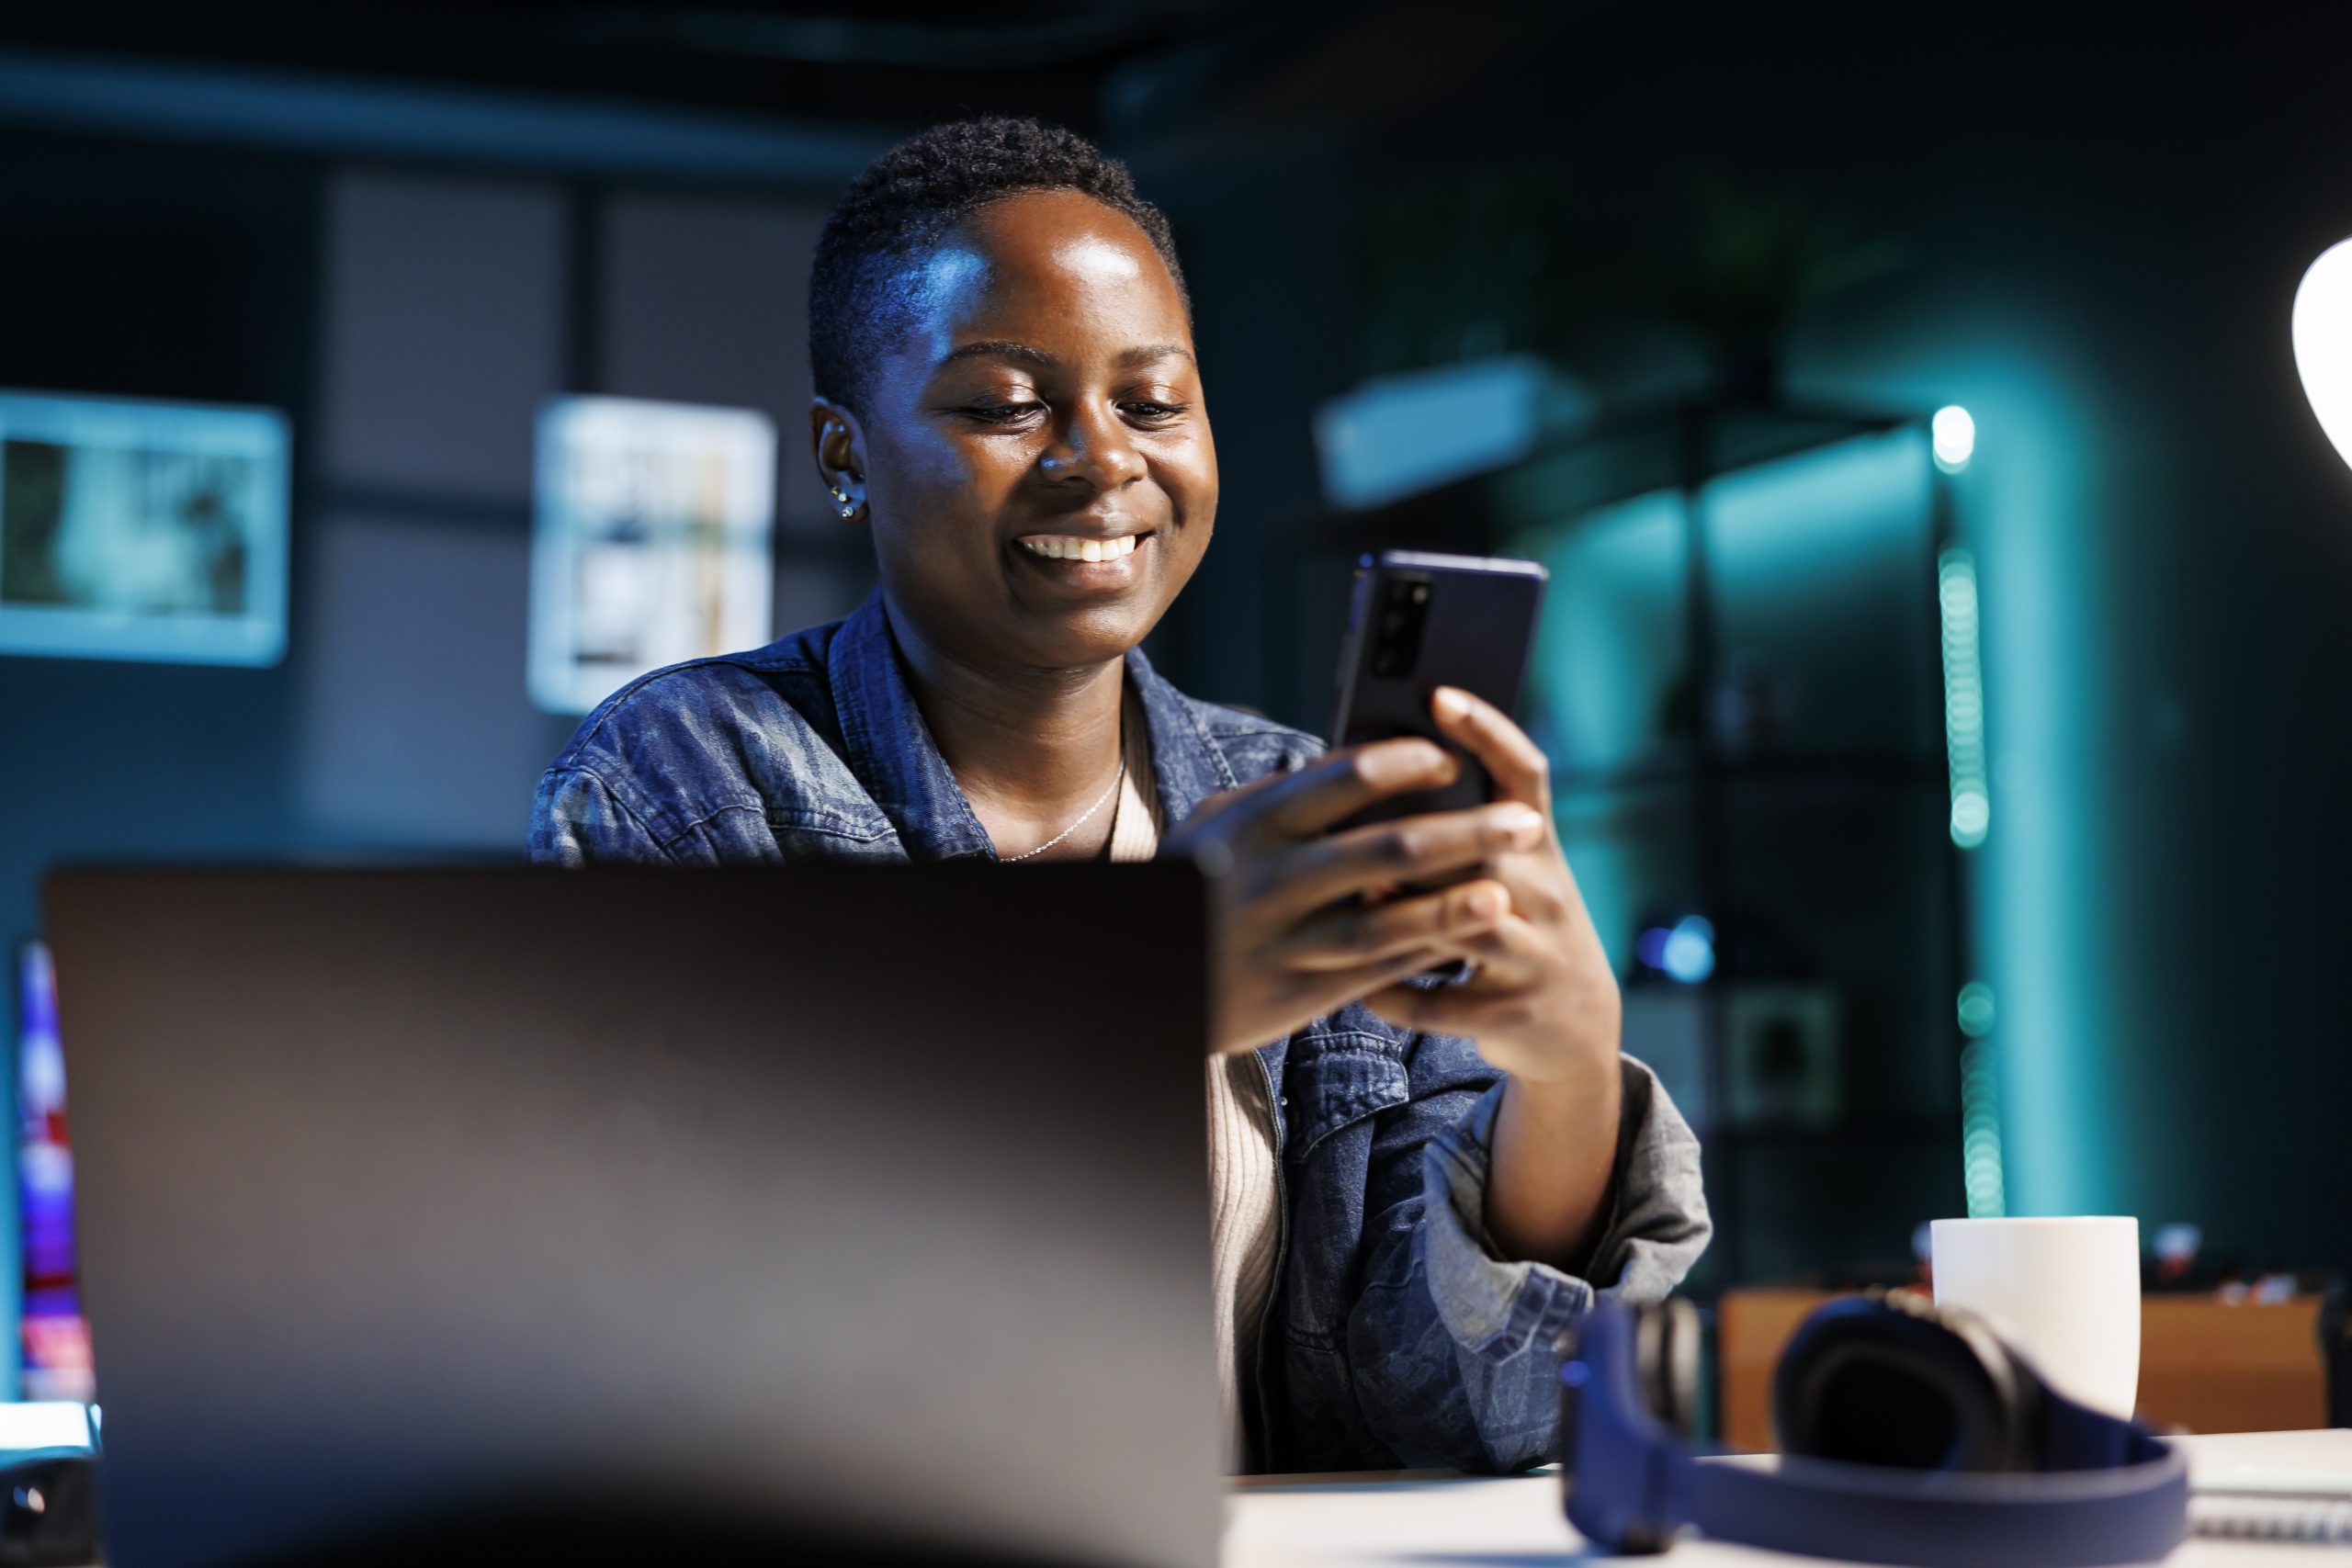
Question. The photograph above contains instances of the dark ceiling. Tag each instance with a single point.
(1128, 72)
(863, 60)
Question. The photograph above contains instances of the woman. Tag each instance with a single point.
(1416, 1189)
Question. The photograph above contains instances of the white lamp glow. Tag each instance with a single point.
(1953, 435)
(2322, 332)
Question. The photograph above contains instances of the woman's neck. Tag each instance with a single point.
(1031, 749)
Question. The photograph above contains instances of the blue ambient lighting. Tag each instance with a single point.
(1684, 951)
(1688, 953)
(1971, 798)
(1953, 431)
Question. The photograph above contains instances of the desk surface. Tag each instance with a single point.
(1515, 1521)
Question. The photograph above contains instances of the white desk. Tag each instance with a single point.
(1515, 1521)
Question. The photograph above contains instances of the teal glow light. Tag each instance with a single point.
(1980, 1118)
(1980, 1133)
(1953, 433)
(1975, 1009)
(1972, 796)
(2050, 519)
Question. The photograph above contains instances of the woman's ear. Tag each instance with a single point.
(839, 446)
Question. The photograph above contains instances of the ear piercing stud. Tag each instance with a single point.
(847, 507)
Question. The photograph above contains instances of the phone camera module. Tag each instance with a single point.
(1404, 613)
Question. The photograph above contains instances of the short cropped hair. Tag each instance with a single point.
(905, 202)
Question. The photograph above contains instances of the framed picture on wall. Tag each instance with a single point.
(652, 542)
(138, 530)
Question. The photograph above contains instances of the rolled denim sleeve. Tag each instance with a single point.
(1466, 1366)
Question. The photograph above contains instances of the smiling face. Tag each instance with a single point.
(1035, 453)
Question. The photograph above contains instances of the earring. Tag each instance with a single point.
(841, 502)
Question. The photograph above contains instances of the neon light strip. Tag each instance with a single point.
(1972, 796)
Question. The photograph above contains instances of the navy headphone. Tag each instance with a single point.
(1909, 1434)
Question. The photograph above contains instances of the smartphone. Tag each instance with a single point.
(1417, 622)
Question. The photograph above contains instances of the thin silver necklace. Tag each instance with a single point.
(1116, 780)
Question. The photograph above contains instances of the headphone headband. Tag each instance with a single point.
(1631, 1483)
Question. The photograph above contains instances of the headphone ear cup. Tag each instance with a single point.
(1666, 1369)
(1892, 1381)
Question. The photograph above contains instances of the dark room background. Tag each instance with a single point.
(409, 226)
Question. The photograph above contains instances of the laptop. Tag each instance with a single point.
(645, 1215)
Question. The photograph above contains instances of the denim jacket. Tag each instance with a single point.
(1394, 1336)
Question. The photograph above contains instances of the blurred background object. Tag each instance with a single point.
(1946, 628)
(54, 1344)
(653, 545)
(142, 531)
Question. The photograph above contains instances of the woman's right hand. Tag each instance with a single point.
(1305, 925)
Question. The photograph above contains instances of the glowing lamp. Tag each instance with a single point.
(2323, 334)
(1953, 435)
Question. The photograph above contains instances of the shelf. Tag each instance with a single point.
(1828, 770)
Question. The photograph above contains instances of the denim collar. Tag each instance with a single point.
(889, 747)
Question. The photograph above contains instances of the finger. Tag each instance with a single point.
(1339, 783)
(1543, 889)
(1225, 800)
(1505, 963)
(1439, 1009)
(1348, 937)
(1312, 996)
(1412, 849)
(1517, 763)
(1511, 954)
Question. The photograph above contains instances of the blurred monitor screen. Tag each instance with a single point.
(153, 531)
(652, 544)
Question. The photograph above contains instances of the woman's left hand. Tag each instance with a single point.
(1543, 1005)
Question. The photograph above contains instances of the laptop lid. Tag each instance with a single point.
(864, 1204)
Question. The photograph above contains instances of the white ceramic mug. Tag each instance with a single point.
(2064, 1292)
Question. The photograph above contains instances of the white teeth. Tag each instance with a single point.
(1066, 547)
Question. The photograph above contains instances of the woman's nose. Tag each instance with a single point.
(1094, 446)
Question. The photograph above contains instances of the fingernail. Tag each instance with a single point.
(1526, 824)
(1449, 703)
(1482, 904)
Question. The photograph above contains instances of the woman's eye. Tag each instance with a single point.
(1002, 413)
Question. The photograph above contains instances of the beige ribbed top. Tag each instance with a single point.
(1244, 1218)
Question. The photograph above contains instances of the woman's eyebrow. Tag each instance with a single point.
(1023, 354)
(1151, 354)
(1001, 348)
